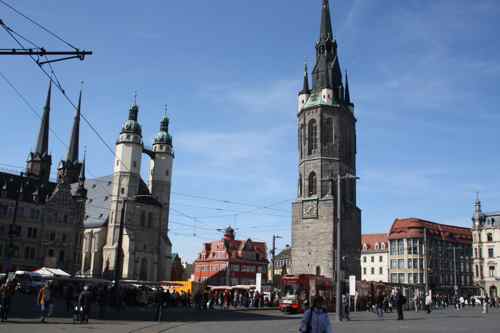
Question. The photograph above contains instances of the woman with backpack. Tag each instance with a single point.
(316, 318)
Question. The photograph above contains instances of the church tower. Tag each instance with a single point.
(39, 161)
(126, 181)
(160, 176)
(68, 171)
(327, 148)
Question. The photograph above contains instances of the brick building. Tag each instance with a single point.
(231, 262)
(41, 221)
(375, 257)
(421, 251)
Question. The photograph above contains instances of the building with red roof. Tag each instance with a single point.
(375, 257)
(423, 251)
(229, 261)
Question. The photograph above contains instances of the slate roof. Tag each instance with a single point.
(99, 198)
(98, 201)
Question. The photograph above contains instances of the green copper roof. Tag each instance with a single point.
(316, 100)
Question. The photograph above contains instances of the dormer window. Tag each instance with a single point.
(365, 247)
(382, 246)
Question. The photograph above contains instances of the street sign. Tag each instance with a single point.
(352, 285)
(258, 282)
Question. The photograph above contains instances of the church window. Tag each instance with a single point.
(300, 185)
(143, 219)
(312, 184)
(312, 136)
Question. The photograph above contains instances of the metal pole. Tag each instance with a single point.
(119, 252)
(273, 253)
(338, 301)
(426, 276)
(10, 248)
(455, 287)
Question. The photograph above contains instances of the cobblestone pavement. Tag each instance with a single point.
(263, 321)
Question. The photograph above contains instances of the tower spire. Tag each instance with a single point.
(326, 22)
(347, 95)
(42, 144)
(305, 87)
(75, 134)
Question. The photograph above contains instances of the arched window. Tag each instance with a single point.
(300, 185)
(312, 184)
(300, 142)
(143, 218)
(328, 131)
(312, 136)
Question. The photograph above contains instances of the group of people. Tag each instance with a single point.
(205, 299)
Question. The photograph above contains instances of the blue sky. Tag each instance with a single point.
(423, 75)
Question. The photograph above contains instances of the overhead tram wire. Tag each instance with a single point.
(38, 25)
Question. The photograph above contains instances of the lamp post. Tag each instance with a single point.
(338, 290)
(273, 254)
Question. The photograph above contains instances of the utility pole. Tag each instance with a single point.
(119, 251)
(426, 276)
(273, 254)
(338, 299)
(10, 248)
(337, 255)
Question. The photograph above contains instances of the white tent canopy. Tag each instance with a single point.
(51, 272)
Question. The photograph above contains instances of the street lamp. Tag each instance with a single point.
(273, 253)
(338, 294)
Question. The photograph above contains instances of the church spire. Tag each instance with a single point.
(347, 95)
(305, 88)
(42, 144)
(75, 135)
(326, 22)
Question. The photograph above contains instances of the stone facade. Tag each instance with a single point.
(327, 148)
(41, 221)
(143, 209)
(486, 245)
(375, 257)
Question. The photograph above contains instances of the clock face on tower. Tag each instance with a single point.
(310, 209)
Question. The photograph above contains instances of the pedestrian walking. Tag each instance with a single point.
(345, 304)
(7, 291)
(400, 301)
(316, 318)
(428, 302)
(485, 305)
(84, 304)
(45, 301)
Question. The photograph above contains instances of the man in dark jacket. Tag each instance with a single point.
(400, 301)
(84, 304)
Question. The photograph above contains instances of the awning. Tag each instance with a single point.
(51, 272)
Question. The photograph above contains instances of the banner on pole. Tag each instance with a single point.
(352, 285)
(258, 282)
